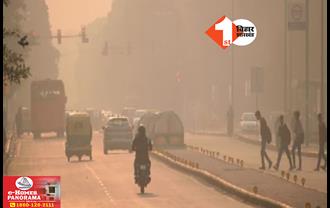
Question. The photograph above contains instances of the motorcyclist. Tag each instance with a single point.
(141, 145)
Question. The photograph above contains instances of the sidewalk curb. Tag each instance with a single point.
(7, 157)
(271, 146)
(219, 182)
(252, 141)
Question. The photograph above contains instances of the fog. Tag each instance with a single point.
(159, 57)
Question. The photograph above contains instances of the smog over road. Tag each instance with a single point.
(152, 103)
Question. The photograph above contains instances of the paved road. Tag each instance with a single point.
(107, 180)
(250, 153)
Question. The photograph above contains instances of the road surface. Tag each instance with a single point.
(107, 181)
(250, 153)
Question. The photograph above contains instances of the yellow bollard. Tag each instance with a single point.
(295, 178)
(303, 181)
(308, 205)
(255, 189)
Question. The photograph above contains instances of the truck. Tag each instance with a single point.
(48, 101)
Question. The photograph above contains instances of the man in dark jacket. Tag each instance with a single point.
(141, 145)
(322, 140)
(298, 135)
(285, 138)
(263, 133)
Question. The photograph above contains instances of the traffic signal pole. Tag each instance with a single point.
(83, 36)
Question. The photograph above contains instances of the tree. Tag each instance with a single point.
(14, 67)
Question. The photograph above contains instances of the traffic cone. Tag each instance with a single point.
(287, 176)
(308, 205)
(295, 178)
(255, 189)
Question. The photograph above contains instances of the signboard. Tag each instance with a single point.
(296, 14)
(31, 191)
(257, 80)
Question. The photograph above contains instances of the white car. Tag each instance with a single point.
(248, 122)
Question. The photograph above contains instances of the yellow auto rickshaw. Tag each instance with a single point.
(78, 135)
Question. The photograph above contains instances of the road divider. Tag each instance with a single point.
(216, 155)
(249, 139)
(193, 168)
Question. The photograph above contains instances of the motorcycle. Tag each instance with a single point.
(143, 176)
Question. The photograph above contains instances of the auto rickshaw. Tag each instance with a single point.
(78, 135)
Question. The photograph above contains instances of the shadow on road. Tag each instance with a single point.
(118, 153)
(49, 138)
(77, 161)
(147, 195)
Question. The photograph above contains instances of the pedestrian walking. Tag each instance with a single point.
(322, 141)
(265, 138)
(283, 133)
(298, 138)
(277, 138)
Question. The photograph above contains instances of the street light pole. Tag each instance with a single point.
(323, 51)
(285, 56)
(232, 75)
(307, 75)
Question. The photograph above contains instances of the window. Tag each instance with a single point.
(118, 122)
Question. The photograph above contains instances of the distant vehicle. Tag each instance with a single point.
(163, 128)
(139, 113)
(26, 120)
(105, 115)
(129, 113)
(78, 135)
(47, 107)
(117, 134)
(96, 118)
(248, 122)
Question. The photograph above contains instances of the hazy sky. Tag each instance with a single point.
(70, 15)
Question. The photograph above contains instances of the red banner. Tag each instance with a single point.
(31, 191)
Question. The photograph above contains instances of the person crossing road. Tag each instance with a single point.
(285, 139)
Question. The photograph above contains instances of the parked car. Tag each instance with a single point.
(248, 122)
(118, 134)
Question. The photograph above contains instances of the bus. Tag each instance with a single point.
(47, 107)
